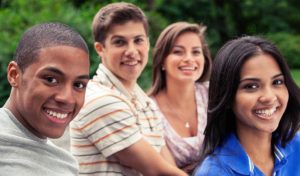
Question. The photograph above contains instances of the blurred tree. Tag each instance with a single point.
(225, 20)
(18, 15)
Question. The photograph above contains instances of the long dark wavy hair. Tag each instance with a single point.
(224, 83)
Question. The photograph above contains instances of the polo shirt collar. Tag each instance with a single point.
(106, 78)
(281, 154)
(234, 156)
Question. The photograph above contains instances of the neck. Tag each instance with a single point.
(180, 93)
(129, 86)
(10, 104)
(259, 149)
(178, 104)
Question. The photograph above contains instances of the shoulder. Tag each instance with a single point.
(98, 96)
(212, 166)
(203, 85)
(202, 94)
(103, 105)
(297, 138)
(4, 117)
(10, 126)
(295, 142)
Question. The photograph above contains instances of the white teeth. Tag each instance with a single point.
(130, 63)
(266, 112)
(187, 68)
(57, 114)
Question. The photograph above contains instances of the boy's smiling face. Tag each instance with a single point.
(49, 93)
(125, 51)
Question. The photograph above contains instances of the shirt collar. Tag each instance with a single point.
(282, 153)
(106, 78)
(233, 155)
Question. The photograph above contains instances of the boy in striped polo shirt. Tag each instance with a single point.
(118, 131)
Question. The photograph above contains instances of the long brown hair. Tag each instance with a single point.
(163, 47)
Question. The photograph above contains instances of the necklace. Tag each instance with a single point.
(178, 115)
(187, 125)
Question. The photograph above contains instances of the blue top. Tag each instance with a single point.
(231, 159)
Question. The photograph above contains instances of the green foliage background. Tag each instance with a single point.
(276, 20)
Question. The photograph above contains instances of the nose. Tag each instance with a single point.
(188, 57)
(65, 95)
(268, 96)
(131, 50)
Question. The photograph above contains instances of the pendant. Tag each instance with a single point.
(187, 125)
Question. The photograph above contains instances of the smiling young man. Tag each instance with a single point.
(48, 76)
(118, 131)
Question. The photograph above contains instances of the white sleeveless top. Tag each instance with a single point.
(187, 150)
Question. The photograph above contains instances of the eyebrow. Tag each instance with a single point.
(57, 71)
(180, 46)
(256, 79)
(120, 36)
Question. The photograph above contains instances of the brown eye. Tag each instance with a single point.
(177, 52)
(196, 52)
(278, 82)
(119, 42)
(138, 40)
(51, 79)
(250, 86)
(79, 85)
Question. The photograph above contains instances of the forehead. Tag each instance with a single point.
(260, 65)
(65, 58)
(188, 38)
(130, 28)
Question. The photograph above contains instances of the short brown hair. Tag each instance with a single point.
(116, 13)
(164, 45)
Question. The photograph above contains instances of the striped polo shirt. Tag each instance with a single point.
(112, 119)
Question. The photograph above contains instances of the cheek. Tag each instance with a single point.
(201, 61)
(34, 92)
(172, 61)
(242, 105)
(144, 50)
(284, 96)
(80, 99)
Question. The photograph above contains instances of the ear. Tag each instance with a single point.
(13, 74)
(163, 66)
(99, 49)
(148, 43)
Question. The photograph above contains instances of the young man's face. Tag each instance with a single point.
(125, 51)
(50, 92)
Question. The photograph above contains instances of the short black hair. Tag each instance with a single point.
(224, 83)
(46, 35)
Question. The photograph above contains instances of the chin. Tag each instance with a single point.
(55, 134)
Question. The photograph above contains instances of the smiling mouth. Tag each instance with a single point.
(57, 114)
(266, 113)
(188, 68)
(130, 63)
(56, 117)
